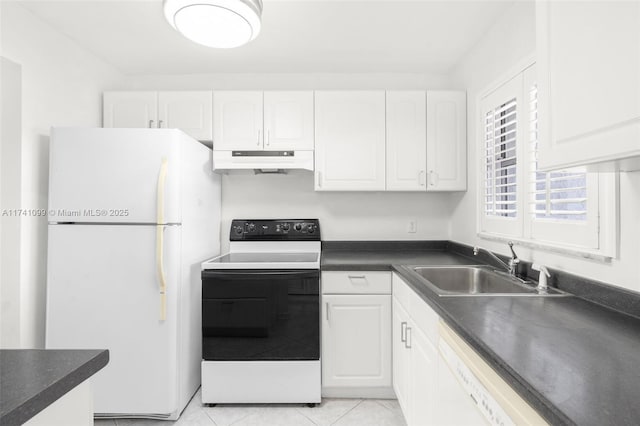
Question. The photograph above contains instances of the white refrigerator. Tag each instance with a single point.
(132, 214)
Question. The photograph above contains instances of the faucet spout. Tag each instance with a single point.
(511, 267)
(514, 261)
(496, 259)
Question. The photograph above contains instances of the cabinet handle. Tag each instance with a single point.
(160, 124)
(326, 310)
(357, 277)
(268, 138)
(258, 144)
(407, 342)
(319, 179)
(421, 178)
(433, 178)
(151, 124)
(403, 331)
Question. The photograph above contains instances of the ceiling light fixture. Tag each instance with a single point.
(215, 23)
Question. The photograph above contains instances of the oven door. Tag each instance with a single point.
(260, 315)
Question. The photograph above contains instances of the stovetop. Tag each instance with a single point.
(271, 244)
(265, 258)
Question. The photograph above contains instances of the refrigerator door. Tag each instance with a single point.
(103, 293)
(112, 175)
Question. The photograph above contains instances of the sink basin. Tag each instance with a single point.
(476, 281)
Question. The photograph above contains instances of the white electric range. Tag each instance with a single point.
(261, 315)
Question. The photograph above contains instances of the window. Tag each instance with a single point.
(500, 155)
(559, 208)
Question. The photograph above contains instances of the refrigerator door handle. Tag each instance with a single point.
(160, 239)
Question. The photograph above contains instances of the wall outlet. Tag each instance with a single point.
(412, 226)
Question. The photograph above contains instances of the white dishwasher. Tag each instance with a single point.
(492, 396)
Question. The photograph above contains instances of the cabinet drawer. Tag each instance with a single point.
(356, 282)
(401, 291)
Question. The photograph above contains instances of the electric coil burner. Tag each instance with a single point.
(261, 315)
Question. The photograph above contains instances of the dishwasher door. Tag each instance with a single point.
(492, 397)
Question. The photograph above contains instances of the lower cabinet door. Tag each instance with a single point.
(423, 378)
(356, 340)
(401, 355)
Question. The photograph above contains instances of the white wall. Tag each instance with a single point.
(284, 81)
(485, 65)
(10, 172)
(61, 86)
(343, 215)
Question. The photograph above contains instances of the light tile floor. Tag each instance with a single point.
(338, 412)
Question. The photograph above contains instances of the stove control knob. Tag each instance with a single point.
(238, 230)
(298, 227)
(251, 227)
(285, 227)
(311, 229)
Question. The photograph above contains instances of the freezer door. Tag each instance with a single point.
(103, 293)
(111, 175)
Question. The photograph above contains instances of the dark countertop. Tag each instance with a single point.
(574, 361)
(380, 256)
(32, 379)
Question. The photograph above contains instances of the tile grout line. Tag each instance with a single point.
(348, 411)
(207, 414)
(307, 417)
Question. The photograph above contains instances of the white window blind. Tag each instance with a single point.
(557, 196)
(501, 160)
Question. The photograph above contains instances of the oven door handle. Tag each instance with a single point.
(259, 273)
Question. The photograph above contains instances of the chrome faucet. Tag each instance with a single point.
(511, 268)
(514, 261)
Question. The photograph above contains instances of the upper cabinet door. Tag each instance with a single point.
(187, 111)
(288, 120)
(130, 109)
(446, 141)
(350, 140)
(588, 84)
(406, 141)
(237, 121)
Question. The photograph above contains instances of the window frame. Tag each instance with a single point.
(596, 238)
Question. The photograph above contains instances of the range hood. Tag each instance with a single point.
(264, 161)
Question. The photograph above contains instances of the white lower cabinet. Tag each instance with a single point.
(415, 366)
(356, 335)
(401, 356)
(427, 391)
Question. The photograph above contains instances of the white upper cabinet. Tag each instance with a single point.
(288, 120)
(130, 109)
(446, 141)
(588, 84)
(237, 121)
(406, 141)
(189, 111)
(350, 140)
(256, 121)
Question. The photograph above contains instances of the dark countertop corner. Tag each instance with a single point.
(381, 255)
(32, 379)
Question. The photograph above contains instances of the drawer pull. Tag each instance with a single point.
(403, 331)
(354, 278)
(407, 343)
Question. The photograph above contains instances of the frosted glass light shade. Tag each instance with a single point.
(215, 23)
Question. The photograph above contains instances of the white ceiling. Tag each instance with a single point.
(303, 36)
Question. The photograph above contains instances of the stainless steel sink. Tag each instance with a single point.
(476, 281)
